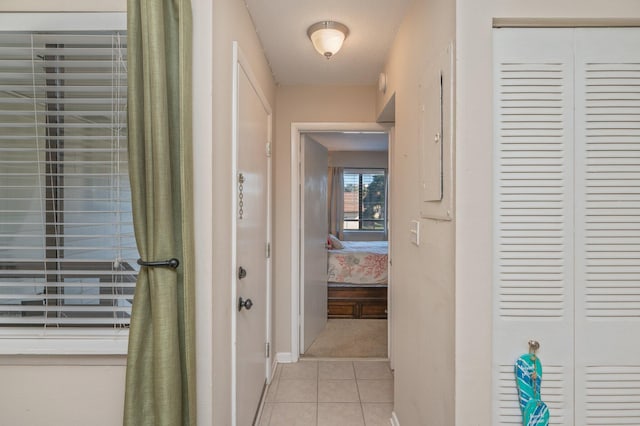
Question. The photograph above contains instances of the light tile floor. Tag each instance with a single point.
(330, 393)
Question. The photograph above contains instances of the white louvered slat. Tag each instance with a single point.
(608, 227)
(533, 240)
(612, 395)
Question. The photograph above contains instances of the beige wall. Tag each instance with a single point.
(359, 159)
(231, 22)
(44, 390)
(422, 286)
(474, 171)
(39, 391)
(303, 104)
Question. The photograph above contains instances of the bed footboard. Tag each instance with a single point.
(357, 301)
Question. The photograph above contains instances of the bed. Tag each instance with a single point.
(357, 280)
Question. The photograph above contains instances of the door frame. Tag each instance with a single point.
(296, 280)
(240, 62)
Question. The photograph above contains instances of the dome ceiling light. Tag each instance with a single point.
(327, 37)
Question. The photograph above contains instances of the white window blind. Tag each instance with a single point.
(67, 249)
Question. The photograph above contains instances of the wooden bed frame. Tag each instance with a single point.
(366, 301)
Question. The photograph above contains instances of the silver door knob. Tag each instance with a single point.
(247, 304)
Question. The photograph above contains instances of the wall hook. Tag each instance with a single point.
(534, 345)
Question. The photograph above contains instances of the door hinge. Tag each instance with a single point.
(268, 250)
(267, 350)
(268, 149)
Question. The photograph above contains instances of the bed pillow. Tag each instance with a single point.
(335, 242)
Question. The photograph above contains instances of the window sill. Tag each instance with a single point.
(64, 360)
(63, 342)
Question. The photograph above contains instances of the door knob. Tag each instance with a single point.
(247, 304)
(241, 273)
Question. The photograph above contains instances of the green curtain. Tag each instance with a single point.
(160, 383)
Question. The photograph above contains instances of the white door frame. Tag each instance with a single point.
(296, 130)
(240, 61)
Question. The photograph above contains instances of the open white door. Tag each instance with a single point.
(313, 241)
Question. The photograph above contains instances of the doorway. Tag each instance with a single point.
(346, 314)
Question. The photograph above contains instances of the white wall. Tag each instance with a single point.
(473, 177)
(296, 104)
(422, 289)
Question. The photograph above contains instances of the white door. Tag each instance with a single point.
(607, 281)
(314, 241)
(533, 196)
(252, 262)
(567, 220)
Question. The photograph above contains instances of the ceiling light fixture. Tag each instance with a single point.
(327, 37)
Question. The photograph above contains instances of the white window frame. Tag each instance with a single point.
(63, 341)
(361, 171)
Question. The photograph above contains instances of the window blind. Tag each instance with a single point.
(67, 249)
(364, 199)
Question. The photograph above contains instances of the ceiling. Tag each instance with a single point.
(345, 141)
(282, 28)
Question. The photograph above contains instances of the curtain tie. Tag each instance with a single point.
(171, 263)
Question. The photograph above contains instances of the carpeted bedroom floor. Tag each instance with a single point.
(351, 338)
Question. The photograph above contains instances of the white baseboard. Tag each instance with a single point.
(394, 419)
(274, 364)
(284, 357)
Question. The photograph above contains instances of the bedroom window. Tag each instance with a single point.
(365, 199)
(67, 249)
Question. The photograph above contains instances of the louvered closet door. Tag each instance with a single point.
(607, 227)
(533, 215)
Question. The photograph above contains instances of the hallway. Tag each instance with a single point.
(330, 393)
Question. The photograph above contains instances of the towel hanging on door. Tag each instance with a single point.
(528, 371)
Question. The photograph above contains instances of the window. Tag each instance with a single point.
(67, 249)
(364, 200)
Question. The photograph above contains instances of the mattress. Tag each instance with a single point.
(359, 262)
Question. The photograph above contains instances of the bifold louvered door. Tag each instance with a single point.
(533, 205)
(567, 220)
(607, 194)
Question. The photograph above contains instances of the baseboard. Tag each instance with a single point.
(274, 365)
(284, 357)
(394, 419)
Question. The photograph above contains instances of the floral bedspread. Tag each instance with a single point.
(359, 262)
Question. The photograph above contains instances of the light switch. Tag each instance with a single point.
(414, 232)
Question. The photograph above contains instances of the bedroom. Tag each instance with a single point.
(344, 248)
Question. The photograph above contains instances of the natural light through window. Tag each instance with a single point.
(364, 200)
(67, 249)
